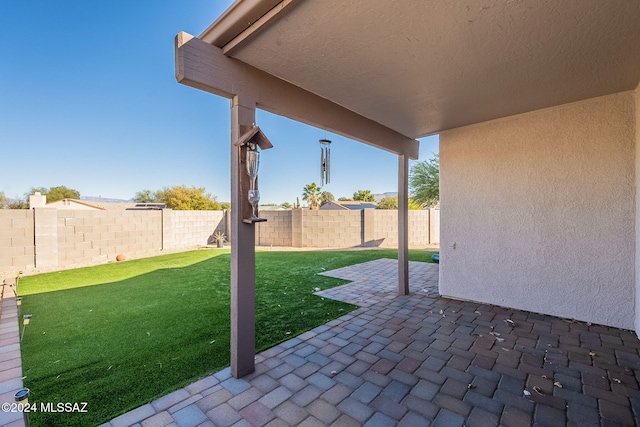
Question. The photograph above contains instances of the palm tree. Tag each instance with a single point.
(311, 194)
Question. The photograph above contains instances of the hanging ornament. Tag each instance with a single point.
(325, 161)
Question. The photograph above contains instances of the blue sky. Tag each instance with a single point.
(89, 100)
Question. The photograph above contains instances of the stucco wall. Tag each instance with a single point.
(538, 211)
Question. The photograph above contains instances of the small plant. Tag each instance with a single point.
(219, 238)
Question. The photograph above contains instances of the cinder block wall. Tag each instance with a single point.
(302, 228)
(94, 237)
(276, 231)
(17, 246)
(419, 227)
(189, 227)
(331, 229)
(47, 239)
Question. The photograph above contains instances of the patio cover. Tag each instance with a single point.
(386, 73)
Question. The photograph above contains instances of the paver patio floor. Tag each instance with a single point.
(420, 360)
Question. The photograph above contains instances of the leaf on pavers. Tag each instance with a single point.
(537, 390)
(592, 353)
(441, 311)
(526, 393)
(557, 384)
(510, 322)
(471, 386)
(616, 380)
(499, 339)
(477, 312)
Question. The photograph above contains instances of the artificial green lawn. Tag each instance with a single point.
(120, 335)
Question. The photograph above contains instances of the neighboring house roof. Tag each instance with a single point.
(272, 208)
(73, 204)
(81, 204)
(347, 205)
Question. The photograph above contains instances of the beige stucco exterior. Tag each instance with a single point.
(538, 211)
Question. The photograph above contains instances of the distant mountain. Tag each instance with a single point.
(381, 196)
(103, 199)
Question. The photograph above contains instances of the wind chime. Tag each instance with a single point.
(325, 162)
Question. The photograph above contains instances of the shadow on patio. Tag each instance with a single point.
(420, 360)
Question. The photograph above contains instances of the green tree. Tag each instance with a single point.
(392, 203)
(388, 203)
(413, 206)
(185, 198)
(55, 193)
(286, 205)
(18, 204)
(311, 194)
(345, 199)
(148, 196)
(326, 197)
(424, 181)
(3, 200)
(364, 195)
(225, 206)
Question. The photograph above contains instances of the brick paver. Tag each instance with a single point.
(421, 359)
(10, 360)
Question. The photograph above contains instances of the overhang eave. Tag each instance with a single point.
(205, 67)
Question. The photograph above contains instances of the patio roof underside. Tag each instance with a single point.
(420, 67)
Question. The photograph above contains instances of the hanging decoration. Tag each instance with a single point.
(249, 158)
(325, 161)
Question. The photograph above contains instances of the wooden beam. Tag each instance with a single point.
(205, 67)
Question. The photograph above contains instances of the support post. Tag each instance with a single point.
(403, 225)
(243, 265)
